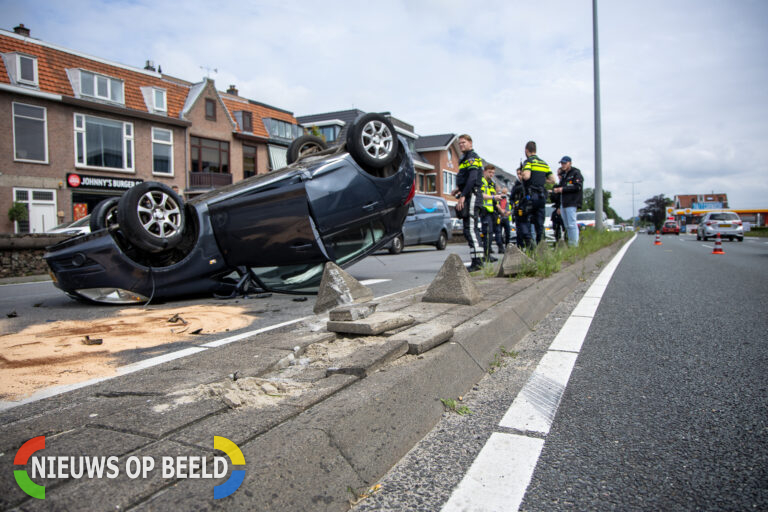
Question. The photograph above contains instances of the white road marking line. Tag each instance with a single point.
(368, 282)
(491, 484)
(237, 337)
(502, 471)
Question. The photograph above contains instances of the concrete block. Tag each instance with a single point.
(513, 262)
(424, 337)
(375, 324)
(352, 312)
(453, 284)
(338, 287)
(366, 360)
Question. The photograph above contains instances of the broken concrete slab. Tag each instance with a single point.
(513, 262)
(352, 312)
(338, 287)
(375, 324)
(370, 358)
(453, 284)
(424, 337)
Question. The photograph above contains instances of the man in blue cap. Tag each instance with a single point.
(570, 190)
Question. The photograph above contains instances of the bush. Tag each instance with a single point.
(18, 212)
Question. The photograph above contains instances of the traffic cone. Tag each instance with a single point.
(718, 246)
(658, 238)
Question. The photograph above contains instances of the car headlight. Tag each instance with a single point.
(112, 295)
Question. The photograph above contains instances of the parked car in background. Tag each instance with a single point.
(587, 219)
(670, 227)
(271, 231)
(457, 225)
(77, 227)
(726, 224)
(428, 222)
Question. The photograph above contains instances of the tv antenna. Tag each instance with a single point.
(208, 71)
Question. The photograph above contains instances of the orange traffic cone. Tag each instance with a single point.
(658, 238)
(718, 246)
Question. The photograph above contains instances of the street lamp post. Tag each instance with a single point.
(633, 201)
(598, 144)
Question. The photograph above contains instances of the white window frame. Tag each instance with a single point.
(110, 82)
(165, 143)
(451, 180)
(30, 202)
(21, 80)
(128, 146)
(45, 132)
(164, 106)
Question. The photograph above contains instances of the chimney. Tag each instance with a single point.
(232, 90)
(21, 30)
(150, 66)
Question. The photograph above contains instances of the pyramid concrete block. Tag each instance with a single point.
(337, 287)
(453, 284)
(513, 262)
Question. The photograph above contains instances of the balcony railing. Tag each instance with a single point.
(209, 179)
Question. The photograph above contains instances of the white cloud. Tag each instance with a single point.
(684, 105)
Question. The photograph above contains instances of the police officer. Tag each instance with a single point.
(536, 176)
(488, 211)
(505, 218)
(517, 200)
(467, 190)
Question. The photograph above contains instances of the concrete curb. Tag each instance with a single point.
(308, 453)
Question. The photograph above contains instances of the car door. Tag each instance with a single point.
(411, 227)
(431, 220)
(342, 195)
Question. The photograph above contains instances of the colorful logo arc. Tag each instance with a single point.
(22, 478)
(238, 475)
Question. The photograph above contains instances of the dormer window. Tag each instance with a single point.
(101, 87)
(159, 99)
(26, 68)
(245, 120)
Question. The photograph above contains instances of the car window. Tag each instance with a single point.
(724, 216)
(585, 216)
(427, 204)
(350, 243)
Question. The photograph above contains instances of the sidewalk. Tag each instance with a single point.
(314, 413)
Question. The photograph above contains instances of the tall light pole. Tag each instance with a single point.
(598, 145)
(633, 201)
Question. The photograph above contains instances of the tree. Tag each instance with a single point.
(589, 203)
(655, 210)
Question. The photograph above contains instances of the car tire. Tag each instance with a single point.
(698, 236)
(741, 239)
(104, 215)
(303, 146)
(397, 245)
(372, 141)
(151, 216)
(442, 242)
(730, 239)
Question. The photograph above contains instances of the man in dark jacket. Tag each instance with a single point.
(557, 219)
(467, 190)
(570, 190)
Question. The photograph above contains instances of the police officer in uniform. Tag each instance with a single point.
(488, 214)
(536, 176)
(505, 213)
(467, 190)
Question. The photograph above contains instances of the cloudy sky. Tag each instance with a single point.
(684, 82)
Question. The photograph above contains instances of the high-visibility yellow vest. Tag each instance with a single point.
(488, 189)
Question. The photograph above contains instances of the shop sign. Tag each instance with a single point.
(85, 181)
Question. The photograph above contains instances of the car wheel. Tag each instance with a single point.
(698, 236)
(303, 146)
(397, 245)
(104, 215)
(741, 239)
(372, 141)
(151, 216)
(730, 239)
(442, 242)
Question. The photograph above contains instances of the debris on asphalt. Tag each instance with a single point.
(196, 331)
(87, 340)
(263, 295)
(12, 314)
(176, 318)
(300, 299)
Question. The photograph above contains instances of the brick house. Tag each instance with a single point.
(80, 129)
(83, 129)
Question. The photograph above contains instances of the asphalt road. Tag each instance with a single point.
(665, 408)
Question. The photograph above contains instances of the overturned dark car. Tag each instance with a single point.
(271, 232)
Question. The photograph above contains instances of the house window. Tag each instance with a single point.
(430, 184)
(162, 151)
(101, 87)
(30, 134)
(329, 133)
(210, 109)
(420, 182)
(247, 122)
(159, 99)
(282, 129)
(249, 161)
(209, 155)
(103, 143)
(41, 210)
(450, 158)
(26, 68)
(449, 181)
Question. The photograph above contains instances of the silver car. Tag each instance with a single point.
(726, 224)
(428, 223)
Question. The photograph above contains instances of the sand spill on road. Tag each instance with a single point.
(54, 354)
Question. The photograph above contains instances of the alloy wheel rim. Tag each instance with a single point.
(159, 214)
(377, 139)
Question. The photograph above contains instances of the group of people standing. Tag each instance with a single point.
(488, 212)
